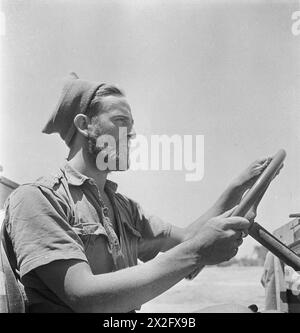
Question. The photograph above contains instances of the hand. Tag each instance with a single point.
(249, 176)
(219, 238)
(251, 214)
(245, 181)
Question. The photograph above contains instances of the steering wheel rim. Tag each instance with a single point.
(260, 185)
(261, 235)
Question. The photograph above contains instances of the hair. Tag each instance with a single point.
(93, 108)
(103, 91)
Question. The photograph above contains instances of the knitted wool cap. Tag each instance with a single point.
(75, 98)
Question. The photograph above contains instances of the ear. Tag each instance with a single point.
(81, 122)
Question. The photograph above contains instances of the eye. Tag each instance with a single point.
(119, 120)
(131, 136)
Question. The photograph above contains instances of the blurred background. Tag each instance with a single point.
(228, 70)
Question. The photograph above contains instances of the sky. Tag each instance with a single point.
(228, 70)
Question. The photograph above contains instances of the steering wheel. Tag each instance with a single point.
(260, 186)
(260, 234)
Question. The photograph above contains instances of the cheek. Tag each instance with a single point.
(101, 127)
(106, 138)
(94, 131)
(114, 131)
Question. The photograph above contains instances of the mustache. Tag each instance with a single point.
(95, 146)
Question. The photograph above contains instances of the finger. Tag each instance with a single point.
(233, 253)
(238, 242)
(251, 214)
(268, 160)
(238, 234)
(232, 235)
(236, 237)
(256, 172)
(261, 166)
(237, 223)
(278, 171)
(242, 234)
(263, 161)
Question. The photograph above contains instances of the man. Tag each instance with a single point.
(77, 240)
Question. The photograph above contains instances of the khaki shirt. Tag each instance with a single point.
(63, 217)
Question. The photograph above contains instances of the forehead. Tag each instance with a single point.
(115, 105)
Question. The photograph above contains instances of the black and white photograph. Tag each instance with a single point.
(150, 158)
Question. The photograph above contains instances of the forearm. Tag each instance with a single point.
(128, 289)
(228, 199)
(232, 195)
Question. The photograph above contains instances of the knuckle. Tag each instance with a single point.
(221, 223)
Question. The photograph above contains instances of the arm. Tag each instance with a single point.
(45, 243)
(124, 290)
(177, 235)
(120, 291)
(227, 200)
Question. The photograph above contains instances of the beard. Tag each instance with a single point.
(93, 149)
(114, 157)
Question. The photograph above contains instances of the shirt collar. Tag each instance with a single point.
(76, 178)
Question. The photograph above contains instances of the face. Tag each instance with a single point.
(110, 132)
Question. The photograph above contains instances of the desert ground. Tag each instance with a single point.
(214, 285)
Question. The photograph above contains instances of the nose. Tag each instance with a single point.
(132, 133)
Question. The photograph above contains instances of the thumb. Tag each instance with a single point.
(237, 223)
(251, 214)
(229, 212)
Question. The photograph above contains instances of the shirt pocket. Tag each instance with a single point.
(89, 232)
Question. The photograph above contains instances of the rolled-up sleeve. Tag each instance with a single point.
(37, 223)
(154, 232)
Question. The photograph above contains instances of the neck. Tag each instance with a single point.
(83, 162)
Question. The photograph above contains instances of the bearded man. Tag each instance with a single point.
(77, 241)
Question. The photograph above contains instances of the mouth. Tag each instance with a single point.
(112, 159)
